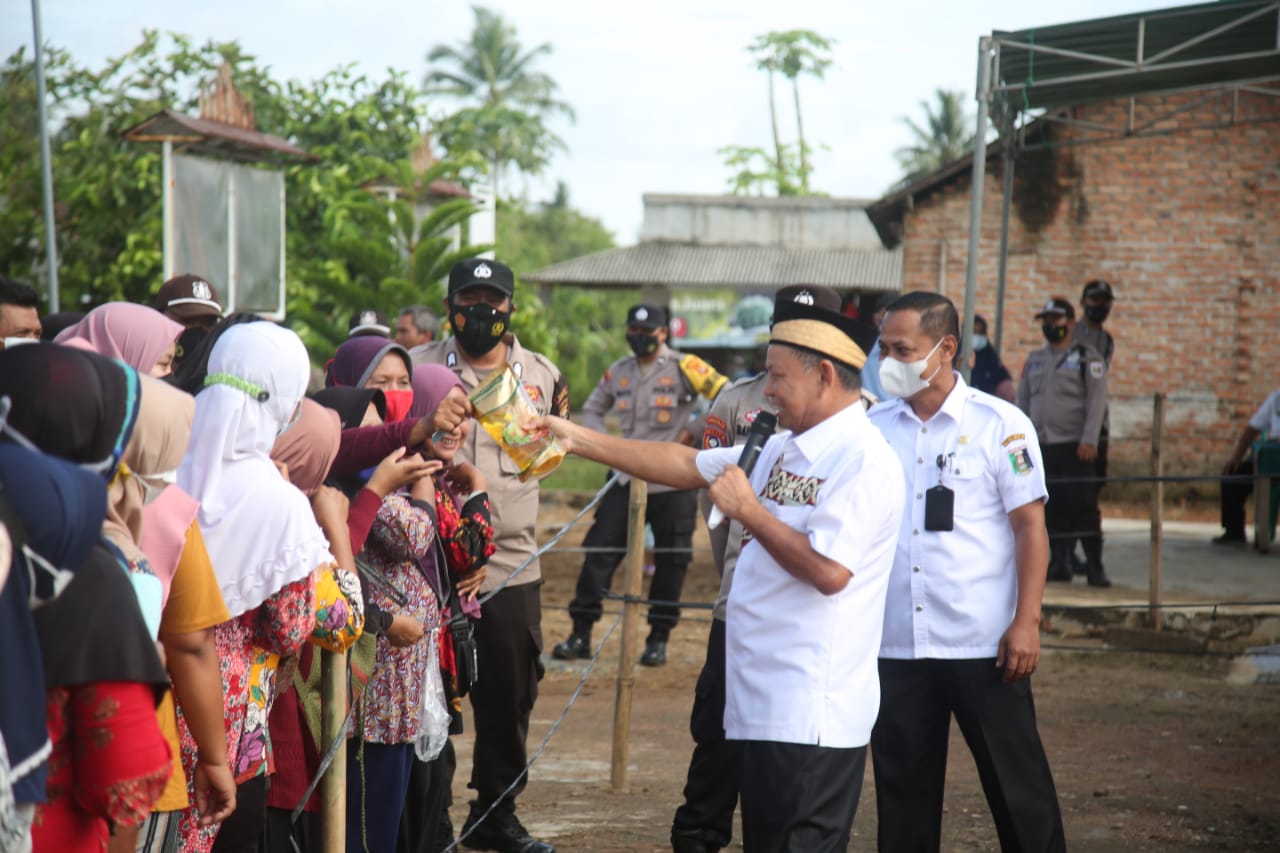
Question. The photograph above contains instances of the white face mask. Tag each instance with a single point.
(979, 343)
(906, 378)
(153, 485)
(10, 343)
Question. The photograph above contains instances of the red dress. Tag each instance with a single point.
(109, 764)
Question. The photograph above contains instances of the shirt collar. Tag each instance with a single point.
(848, 421)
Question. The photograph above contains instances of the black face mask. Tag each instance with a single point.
(643, 345)
(1097, 313)
(478, 328)
(1053, 332)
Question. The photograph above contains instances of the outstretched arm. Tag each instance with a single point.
(663, 462)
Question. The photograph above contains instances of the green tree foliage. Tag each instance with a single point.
(582, 330)
(347, 248)
(507, 100)
(945, 136)
(791, 53)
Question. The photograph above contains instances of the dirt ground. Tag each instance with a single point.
(1149, 752)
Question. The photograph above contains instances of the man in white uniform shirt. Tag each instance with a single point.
(962, 618)
(820, 512)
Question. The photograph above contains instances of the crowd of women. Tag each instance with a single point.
(178, 541)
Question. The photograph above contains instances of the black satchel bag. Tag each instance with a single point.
(464, 638)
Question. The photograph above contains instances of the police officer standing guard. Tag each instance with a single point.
(1064, 391)
(509, 636)
(962, 615)
(654, 392)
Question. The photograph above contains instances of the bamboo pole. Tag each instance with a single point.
(630, 628)
(333, 788)
(1157, 513)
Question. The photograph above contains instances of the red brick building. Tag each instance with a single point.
(1179, 209)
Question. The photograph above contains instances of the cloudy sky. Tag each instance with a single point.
(658, 86)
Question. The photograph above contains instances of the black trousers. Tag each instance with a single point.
(1234, 496)
(711, 790)
(998, 721)
(429, 795)
(1072, 511)
(243, 831)
(508, 651)
(672, 516)
(798, 798)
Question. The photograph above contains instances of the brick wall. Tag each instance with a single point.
(1186, 227)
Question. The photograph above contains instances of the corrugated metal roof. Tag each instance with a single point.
(763, 267)
(213, 137)
(1164, 50)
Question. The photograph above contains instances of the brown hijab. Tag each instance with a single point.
(309, 447)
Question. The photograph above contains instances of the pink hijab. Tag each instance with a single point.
(138, 335)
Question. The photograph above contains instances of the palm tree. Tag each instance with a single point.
(792, 53)
(507, 99)
(947, 135)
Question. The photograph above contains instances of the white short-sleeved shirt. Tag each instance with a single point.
(1267, 419)
(801, 666)
(952, 594)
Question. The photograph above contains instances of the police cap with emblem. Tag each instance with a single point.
(807, 317)
(369, 322)
(1057, 306)
(647, 315)
(481, 272)
(1098, 288)
(187, 298)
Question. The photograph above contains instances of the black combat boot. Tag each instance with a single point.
(1097, 575)
(1060, 561)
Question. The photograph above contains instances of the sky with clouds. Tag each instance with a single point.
(658, 86)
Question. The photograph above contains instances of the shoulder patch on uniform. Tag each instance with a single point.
(1017, 436)
(1020, 459)
(608, 375)
(701, 376)
(1097, 370)
(716, 433)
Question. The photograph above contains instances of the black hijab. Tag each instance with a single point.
(189, 373)
(73, 404)
(351, 403)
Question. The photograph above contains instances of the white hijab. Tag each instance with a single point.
(258, 528)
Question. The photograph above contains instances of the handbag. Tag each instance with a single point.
(465, 653)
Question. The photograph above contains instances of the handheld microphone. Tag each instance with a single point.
(763, 427)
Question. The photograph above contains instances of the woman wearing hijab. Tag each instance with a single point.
(153, 520)
(464, 525)
(101, 671)
(403, 548)
(264, 543)
(138, 335)
(306, 451)
(369, 362)
(193, 366)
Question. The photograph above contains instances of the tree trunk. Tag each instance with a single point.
(804, 149)
(777, 139)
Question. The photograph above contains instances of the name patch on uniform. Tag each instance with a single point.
(791, 489)
(716, 433)
(1020, 458)
(1095, 370)
(1017, 436)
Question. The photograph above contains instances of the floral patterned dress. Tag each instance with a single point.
(109, 764)
(325, 607)
(401, 541)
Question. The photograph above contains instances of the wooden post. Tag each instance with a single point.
(333, 788)
(1157, 513)
(630, 627)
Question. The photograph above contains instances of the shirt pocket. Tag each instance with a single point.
(662, 408)
(971, 485)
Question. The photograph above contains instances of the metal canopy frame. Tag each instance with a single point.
(1234, 44)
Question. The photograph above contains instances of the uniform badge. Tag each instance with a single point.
(624, 405)
(1021, 460)
(664, 417)
(716, 433)
(1096, 370)
(482, 271)
(623, 381)
(534, 392)
(1017, 436)
(451, 360)
(664, 401)
(666, 381)
(368, 318)
(201, 290)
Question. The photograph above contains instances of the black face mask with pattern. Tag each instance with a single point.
(478, 328)
(643, 345)
(1053, 332)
